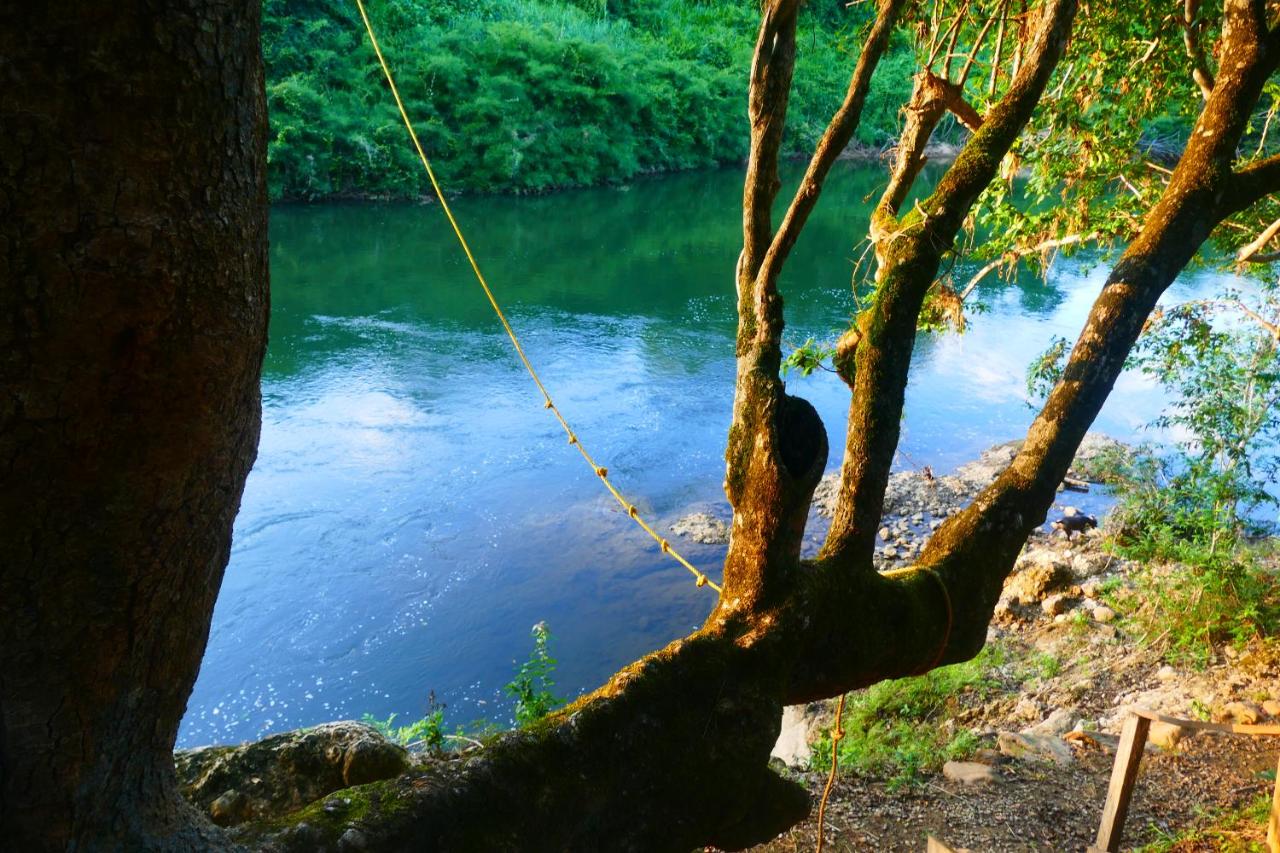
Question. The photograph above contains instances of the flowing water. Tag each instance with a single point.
(414, 510)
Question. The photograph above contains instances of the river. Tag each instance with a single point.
(414, 510)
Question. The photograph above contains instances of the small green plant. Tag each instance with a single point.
(1046, 665)
(807, 358)
(427, 732)
(1204, 600)
(895, 727)
(1241, 829)
(1046, 370)
(532, 686)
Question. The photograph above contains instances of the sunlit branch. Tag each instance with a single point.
(1014, 255)
(1252, 253)
(1195, 52)
(837, 135)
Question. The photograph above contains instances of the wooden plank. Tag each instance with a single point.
(1273, 822)
(1123, 774)
(1201, 725)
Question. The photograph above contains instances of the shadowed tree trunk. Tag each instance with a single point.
(133, 312)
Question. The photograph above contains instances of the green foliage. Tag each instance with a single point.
(1223, 376)
(529, 96)
(807, 358)
(1045, 371)
(1240, 829)
(532, 686)
(1188, 608)
(895, 727)
(1223, 370)
(1046, 665)
(427, 732)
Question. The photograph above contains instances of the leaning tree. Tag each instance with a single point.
(134, 227)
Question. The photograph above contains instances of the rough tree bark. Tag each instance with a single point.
(133, 316)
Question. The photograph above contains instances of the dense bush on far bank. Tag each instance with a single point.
(527, 96)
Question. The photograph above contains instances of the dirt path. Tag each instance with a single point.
(1040, 807)
(1099, 671)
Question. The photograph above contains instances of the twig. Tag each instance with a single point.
(1250, 253)
(1015, 255)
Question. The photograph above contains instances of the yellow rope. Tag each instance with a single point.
(600, 470)
(836, 734)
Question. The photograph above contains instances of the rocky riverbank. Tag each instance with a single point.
(919, 500)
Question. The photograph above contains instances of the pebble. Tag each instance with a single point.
(1103, 614)
(1056, 604)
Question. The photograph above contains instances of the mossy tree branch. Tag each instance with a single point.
(911, 250)
(777, 445)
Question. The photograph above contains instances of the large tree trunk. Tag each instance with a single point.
(133, 320)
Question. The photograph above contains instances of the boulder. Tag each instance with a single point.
(284, 772)
(800, 724)
(1040, 576)
(1034, 747)
(1059, 722)
(1166, 735)
(969, 772)
(702, 527)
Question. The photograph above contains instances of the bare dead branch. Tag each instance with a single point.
(977, 45)
(999, 55)
(1251, 252)
(955, 38)
(1012, 257)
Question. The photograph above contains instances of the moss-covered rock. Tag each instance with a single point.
(285, 772)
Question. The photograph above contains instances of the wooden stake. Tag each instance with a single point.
(1273, 822)
(1133, 739)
